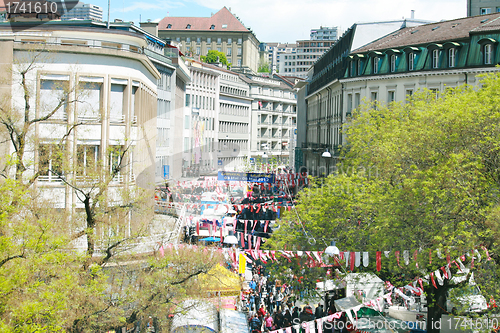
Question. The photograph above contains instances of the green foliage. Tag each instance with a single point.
(264, 68)
(214, 56)
(424, 175)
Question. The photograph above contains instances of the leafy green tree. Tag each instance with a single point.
(264, 68)
(421, 175)
(47, 283)
(214, 56)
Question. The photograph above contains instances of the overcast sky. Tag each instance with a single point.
(288, 20)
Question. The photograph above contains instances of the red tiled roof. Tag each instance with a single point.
(438, 32)
(222, 18)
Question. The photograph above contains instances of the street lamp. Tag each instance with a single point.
(231, 238)
(332, 249)
(326, 153)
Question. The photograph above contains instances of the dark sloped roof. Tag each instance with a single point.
(439, 32)
(222, 18)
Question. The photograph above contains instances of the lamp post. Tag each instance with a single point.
(332, 249)
(326, 154)
(231, 238)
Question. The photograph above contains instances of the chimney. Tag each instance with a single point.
(412, 14)
(229, 8)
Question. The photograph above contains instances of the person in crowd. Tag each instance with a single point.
(295, 313)
(255, 324)
(307, 313)
(270, 302)
(318, 313)
(268, 322)
(278, 319)
(251, 300)
(279, 299)
(261, 312)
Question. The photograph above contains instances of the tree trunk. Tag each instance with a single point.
(89, 231)
(436, 307)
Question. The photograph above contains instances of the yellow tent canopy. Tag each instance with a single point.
(220, 279)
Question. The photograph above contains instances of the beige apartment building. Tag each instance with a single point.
(222, 31)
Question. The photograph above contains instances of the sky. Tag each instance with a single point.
(287, 20)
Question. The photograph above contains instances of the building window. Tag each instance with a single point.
(219, 40)
(218, 49)
(212, 27)
(393, 63)
(52, 93)
(452, 52)
(198, 40)
(178, 39)
(188, 40)
(91, 109)
(391, 96)
(238, 62)
(88, 158)
(435, 58)
(360, 67)
(239, 40)
(50, 162)
(488, 54)
(229, 40)
(485, 11)
(116, 103)
(376, 62)
(209, 40)
(357, 99)
(229, 51)
(198, 50)
(411, 61)
(239, 51)
(169, 26)
(188, 26)
(409, 94)
(435, 92)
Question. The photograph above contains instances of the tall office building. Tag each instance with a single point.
(298, 62)
(84, 11)
(482, 7)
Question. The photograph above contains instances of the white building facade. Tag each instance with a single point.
(201, 123)
(273, 119)
(114, 119)
(233, 142)
(83, 11)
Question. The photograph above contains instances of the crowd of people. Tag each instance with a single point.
(273, 305)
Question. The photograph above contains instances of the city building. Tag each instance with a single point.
(274, 51)
(325, 101)
(235, 103)
(171, 158)
(83, 11)
(222, 32)
(273, 119)
(482, 7)
(325, 33)
(115, 118)
(201, 120)
(164, 57)
(307, 52)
